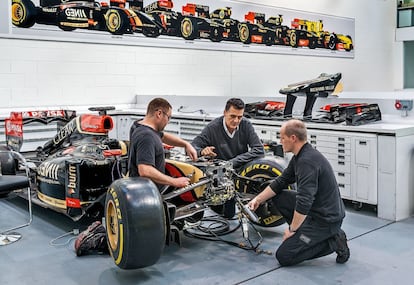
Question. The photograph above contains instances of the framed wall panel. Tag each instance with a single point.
(203, 24)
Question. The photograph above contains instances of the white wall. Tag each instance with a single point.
(45, 73)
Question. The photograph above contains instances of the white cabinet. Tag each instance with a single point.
(337, 149)
(189, 129)
(353, 157)
(364, 168)
(122, 125)
(267, 133)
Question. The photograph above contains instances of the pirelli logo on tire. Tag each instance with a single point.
(259, 166)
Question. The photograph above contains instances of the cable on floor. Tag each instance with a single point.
(212, 228)
(74, 232)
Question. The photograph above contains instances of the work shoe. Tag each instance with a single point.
(92, 240)
(342, 248)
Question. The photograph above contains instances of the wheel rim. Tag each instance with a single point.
(293, 39)
(112, 228)
(186, 28)
(18, 13)
(244, 33)
(114, 21)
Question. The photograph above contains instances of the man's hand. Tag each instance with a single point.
(180, 182)
(253, 204)
(287, 234)
(208, 151)
(191, 152)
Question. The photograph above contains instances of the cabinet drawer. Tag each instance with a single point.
(329, 138)
(335, 145)
(336, 156)
(341, 166)
(334, 151)
(345, 190)
(343, 177)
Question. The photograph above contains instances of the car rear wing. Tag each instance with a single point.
(196, 10)
(15, 122)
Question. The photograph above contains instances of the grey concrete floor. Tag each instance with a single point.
(382, 252)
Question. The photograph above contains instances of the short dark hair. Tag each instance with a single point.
(156, 104)
(237, 103)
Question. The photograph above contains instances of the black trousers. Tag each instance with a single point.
(313, 239)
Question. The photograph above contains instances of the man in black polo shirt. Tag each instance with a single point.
(315, 211)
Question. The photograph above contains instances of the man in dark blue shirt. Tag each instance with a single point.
(315, 211)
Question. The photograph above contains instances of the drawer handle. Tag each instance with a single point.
(341, 157)
(341, 145)
(313, 142)
(341, 150)
(341, 162)
(341, 174)
(341, 185)
(313, 137)
(363, 142)
(341, 139)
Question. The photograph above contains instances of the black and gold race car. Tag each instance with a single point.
(117, 17)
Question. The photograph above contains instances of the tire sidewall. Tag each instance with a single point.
(264, 168)
(140, 223)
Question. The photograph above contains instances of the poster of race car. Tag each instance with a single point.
(200, 24)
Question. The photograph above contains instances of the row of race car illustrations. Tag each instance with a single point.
(195, 21)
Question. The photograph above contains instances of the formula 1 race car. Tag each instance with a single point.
(197, 22)
(69, 15)
(72, 171)
(256, 30)
(162, 12)
(82, 172)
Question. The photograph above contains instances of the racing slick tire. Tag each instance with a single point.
(216, 34)
(135, 222)
(264, 168)
(23, 13)
(189, 28)
(269, 38)
(245, 33)
(293, 39)
(117, 22)
(313, 43)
